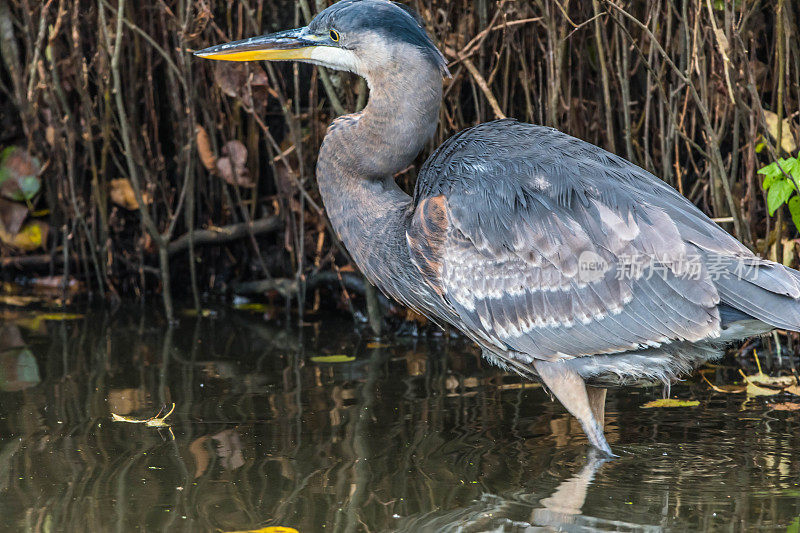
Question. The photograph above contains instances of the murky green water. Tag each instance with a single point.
(409, 434)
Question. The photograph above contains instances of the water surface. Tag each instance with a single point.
(398, 434)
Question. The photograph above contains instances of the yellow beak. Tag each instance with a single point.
(284, 45)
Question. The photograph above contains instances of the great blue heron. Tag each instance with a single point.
(560, 259)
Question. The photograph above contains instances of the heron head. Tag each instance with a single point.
(360, 36)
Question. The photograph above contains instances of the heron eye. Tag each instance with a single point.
(334, 35)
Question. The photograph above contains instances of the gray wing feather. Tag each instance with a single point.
(524, 202)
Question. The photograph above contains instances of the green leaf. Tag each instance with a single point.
(6, 152)
(767, 183)
(792, 166)
(773, 169)
(28, 187)
(779, 192)
(768, 170)
(794, 209)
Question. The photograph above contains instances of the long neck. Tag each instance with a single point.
(359, 157)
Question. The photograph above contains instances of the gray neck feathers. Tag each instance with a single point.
(359, 157)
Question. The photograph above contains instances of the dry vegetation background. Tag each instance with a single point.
(138, 169)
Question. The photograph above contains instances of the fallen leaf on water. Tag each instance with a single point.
(786, 406)
(270, 529)
(760, 384)
(253, 306)
(793, 389)
(18, 301)
(727, 389)
(60, 317)
(157, 421)
(670, 402)
(333, 359)
(376, 345)
(754, 390)
(517, 386)
(772, 381)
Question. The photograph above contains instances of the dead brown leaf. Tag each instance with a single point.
(787, 139)
(122, 194)
(207, 156)
(233, 167)
(793, 389)
(19, 174)
(786, 406)
(12, 215)
(232, 79)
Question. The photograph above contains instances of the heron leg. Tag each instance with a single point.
(597, 401)
(571, 391)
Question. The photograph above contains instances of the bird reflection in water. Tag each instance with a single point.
(416, 435)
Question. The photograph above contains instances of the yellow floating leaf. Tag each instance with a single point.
(60, 317)
(772, 381)
(377, 345)
(333, 359)
(130, 420)
(157, 421)
(253, 306)
(270, 529)
(670, 402)
(753, 389)
(18, 301)
(727, 389)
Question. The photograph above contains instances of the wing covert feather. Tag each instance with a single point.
(502, 228)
